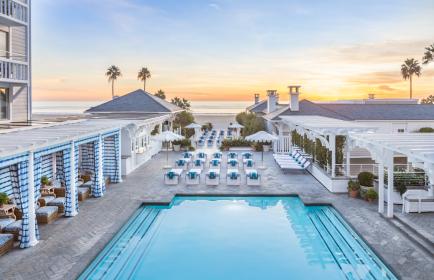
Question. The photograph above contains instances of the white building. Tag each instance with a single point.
(15, 61)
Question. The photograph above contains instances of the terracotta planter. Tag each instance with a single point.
(353, 194)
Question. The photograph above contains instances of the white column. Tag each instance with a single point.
(390, 186)
(281, 140)
(160, 128)
(54, 165)
(120, 155)
(32, 211)
(332, 141)
(72, 180)
(381, 187)
(347, 158)
(100, 162)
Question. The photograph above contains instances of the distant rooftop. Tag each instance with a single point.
(137, 101)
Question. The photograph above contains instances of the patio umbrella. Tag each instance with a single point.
(168, 136)
(262, 137)
(196, 128)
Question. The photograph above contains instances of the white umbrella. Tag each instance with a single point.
(196, 128)
(237, 127)
(262, 137)
(193, 125)
(168, 136)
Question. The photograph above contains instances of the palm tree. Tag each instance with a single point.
(143, 75)
(408, 69)
(113, 72)
(429, 54)
(160, 94)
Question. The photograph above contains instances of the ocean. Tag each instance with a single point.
(198, 107)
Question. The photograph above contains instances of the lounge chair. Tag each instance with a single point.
(233, 163)
(253, 178)
(187, 155)
(83, 193)
(172, 176)
(210, 142)
(233, 177)
(301, 167)
(44, 200)
(6, 243)
(247, 155)
(198, 163)
(215, 163)
(201, 155)
(248, 163)
(47, 214)
(182, 164)
(212, 177)
(192, 177)
(217, 155)
(232, 155)
(417, 201)
(59, 202)
(14, 228)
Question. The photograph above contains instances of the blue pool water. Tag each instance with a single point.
(237, 238)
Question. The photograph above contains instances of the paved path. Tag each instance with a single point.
(69, 244)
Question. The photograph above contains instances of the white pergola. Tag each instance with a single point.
(326, 129)
(417, 147)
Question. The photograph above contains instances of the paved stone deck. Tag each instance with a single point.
(70, 244)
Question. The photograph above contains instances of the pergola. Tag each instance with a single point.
(326, 129)
(417, 147)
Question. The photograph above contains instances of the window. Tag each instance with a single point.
(401, 130)
(4, 103)
(4, 44)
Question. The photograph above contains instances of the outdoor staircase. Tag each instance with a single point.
(350, 253)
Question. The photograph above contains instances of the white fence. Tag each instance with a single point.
(283, 145)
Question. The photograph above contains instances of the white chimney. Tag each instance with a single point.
(256, 98)
(294, 92)
(272, 100)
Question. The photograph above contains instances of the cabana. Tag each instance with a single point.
(419, 150)
(24, 154)
(236, 128)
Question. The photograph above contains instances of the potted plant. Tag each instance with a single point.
(366, 181)
(371, 195)
(4, 199)
(353, 188)
(177, 145)
(45, 181)
(266, 146)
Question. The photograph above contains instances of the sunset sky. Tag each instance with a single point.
(228, 50)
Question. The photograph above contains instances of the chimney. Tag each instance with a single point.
(294, 92)
(273, 98)
(256, 98)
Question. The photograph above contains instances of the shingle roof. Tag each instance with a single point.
(137, 101)
(361, 111)
(258, 107)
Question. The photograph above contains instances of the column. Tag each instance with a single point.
(119, 154)
(281, 140)
(160, 128)
(73, 186)
(32, 211)
(332, 141)
(390, 186)
(54, 165)
(347, 158)
(100, 165)
(380, 187)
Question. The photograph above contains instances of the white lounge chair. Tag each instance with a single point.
(192, 177)
(218, 155)
(201, 155)
(172, 177)
(187, 155)
(212, 177)
(233, 177)
(215, 163)
(417, 201)
(182, 163)
(232, 155)
(248, 164)
(198, 163)
(301, 167)
(247, 155)
(253, 178)
(232, 163)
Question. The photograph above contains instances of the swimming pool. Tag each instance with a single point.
(237, 238)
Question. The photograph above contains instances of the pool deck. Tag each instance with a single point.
(68, 245)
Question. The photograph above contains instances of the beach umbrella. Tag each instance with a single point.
(262, 137)
(168, 136)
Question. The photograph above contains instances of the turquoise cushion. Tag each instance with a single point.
(212, 175)
(171, 175)
(192, 175)
(5, 237)
(4, 222)
(233, 175)
(253, 175)
(13, 226)
(46, 211)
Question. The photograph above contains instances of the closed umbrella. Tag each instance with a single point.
(262, 137)
(196, 128)
(167, 137)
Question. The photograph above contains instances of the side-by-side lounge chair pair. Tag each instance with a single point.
(192, 177)
(233, 177)
(212, 177)
(417, 201)
(182, 164)
(172, 177)
(253, 178)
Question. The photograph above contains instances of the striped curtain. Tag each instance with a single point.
(77, 153)
(60, 174)
(38, 175)
(67, 175)
(47, 166)
(19, 179)
(87, 154)
(112, 158)
(98, 186)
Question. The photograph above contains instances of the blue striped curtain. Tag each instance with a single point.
(67, 175)
(76, 174)
(47, 166)
(111, 158)
(19, 179)
(87, 153)
(98, 187)
(38, 175)
(60, 175)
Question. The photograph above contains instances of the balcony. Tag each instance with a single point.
(14, 12)
(12, 71)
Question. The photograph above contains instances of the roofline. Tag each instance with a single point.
(132, 112)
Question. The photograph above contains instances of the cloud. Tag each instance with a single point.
(214, 6)
(379, 78)
(386, 88)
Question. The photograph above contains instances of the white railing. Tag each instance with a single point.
(14, 9)
(283, 145)
(13, 71)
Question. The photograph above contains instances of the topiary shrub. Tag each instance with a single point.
(426, 130)
(366, 179)
(371, 195)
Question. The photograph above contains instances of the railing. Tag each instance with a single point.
(14, 9)
(13, 71)
(283, 145)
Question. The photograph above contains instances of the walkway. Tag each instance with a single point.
(69, 244)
